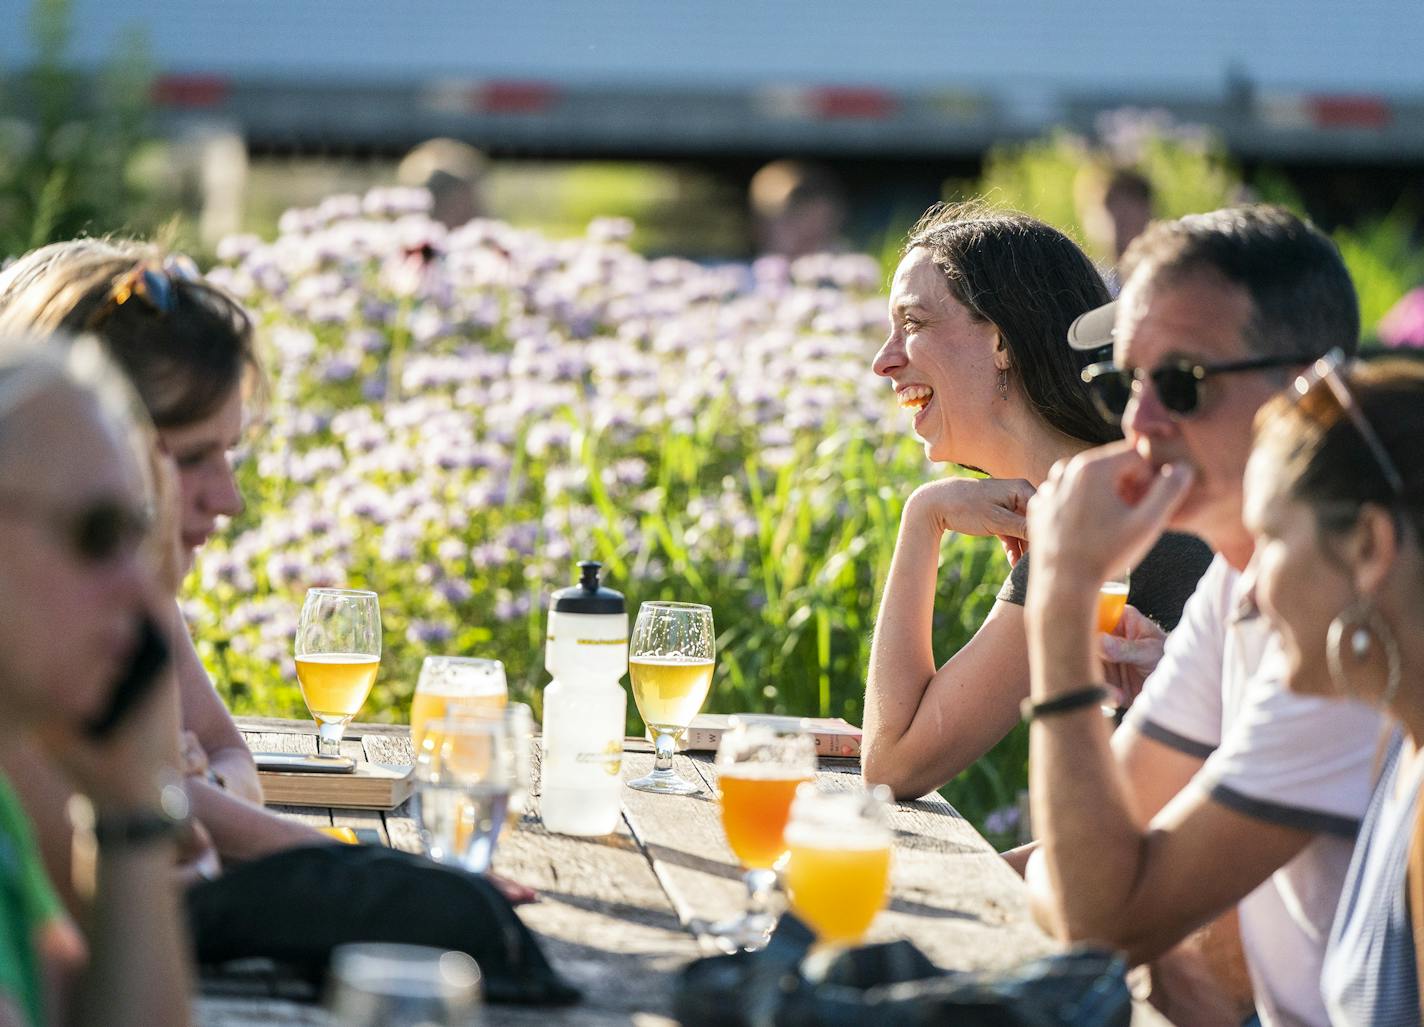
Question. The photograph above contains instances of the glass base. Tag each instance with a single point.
(747, 933)
(329, 732)
(665, 782)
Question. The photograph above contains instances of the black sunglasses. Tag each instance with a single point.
(1177, 382)
(98, 533)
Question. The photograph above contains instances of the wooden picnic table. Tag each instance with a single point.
(619, 915)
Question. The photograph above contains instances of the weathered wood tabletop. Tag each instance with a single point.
(619, 915)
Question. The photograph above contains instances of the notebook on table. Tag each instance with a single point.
(834, 736)
(370, 786)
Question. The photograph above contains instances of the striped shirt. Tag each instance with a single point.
(1369, 975)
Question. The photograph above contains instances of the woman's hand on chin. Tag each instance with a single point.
(976, 506)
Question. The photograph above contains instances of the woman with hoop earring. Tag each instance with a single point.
(1335, 498)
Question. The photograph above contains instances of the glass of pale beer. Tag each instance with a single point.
(761, 761)
(838, 860)
(670, 660)
(1112, 600)
(338, 651)
(455, 683)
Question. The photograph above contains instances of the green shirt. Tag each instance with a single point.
(27, 902)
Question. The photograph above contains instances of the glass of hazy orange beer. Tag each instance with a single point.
(450, 684)
(838, 860)
(338, 651)
(761, 761)
(1112, 600)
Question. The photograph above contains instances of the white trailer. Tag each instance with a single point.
(1279, 79)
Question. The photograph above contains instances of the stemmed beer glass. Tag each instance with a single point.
(761, 761)
(338, 651)
(670, 660)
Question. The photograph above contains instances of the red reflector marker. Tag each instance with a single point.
(1350, 111)
(844, 102)
(515, 97)
(190, 92)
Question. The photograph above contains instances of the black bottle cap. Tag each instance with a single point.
(588, 596)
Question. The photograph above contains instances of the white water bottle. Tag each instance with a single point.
(585, 707)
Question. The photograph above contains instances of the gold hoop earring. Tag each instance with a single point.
(1003, 383)
(1361, 626)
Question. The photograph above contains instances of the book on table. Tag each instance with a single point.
(369, 786)
(834, 736)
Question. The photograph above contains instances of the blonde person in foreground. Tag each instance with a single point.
(77, 584)
(1223, 788)
(1335, 498)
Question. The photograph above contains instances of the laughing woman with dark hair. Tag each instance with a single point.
(980, 308)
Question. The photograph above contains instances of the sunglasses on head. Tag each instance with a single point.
(1322, 394)
(98, 533)
(153, 285)
(1176, 382)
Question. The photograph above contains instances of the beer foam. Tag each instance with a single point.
(848, 837)
(851, 821)
(764, 772)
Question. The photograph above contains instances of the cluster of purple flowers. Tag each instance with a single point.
(456, 416)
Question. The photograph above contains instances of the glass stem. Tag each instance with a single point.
(759, 886)
(664, 746)
(328, 738)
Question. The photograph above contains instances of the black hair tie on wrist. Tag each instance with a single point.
(1090, 695)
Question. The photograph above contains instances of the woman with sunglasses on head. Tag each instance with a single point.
(82, 675)
(980, 308)
(1334, 494)
(189, 350)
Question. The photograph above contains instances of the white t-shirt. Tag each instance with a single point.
(1301, 761)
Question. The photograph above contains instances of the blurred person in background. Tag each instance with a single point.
(1335, 498)
(797, 208)
(1114, 206)
(1222, 789)
(78, 589)
(980, 308)
(454, 174)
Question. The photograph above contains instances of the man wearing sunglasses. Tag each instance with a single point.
(1222, 789)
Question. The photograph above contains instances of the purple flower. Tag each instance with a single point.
(455, 590)
(234, 248)
(339, 368)
(1002, 821)
(508, 608)
(1403, 326)
(429, 632)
